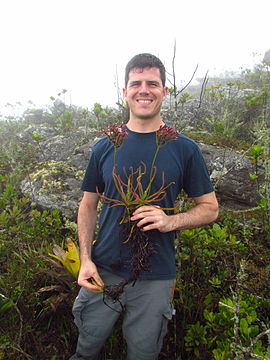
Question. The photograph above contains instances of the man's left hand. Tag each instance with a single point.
(152, 217)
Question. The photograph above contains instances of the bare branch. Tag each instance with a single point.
(194, 72)
(227, 306)
(205, 80)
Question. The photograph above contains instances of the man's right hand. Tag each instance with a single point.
(89, 277)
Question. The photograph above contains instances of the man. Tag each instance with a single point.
(146, 303)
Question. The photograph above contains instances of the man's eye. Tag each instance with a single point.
(153, 84)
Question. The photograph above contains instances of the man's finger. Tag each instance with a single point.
(91, 285)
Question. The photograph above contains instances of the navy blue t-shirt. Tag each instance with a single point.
(179, 161)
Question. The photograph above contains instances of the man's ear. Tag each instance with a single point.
(165, 92)
(124, 92)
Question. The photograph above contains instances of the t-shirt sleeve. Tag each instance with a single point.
(93, 178)
(197, 180)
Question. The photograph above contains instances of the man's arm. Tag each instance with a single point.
(87, 217)
(204, 212)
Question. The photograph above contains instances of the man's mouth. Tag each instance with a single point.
(144, 101)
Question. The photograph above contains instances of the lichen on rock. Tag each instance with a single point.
(55, 184)
(52, 174)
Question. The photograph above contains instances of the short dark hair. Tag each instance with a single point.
(143, 61)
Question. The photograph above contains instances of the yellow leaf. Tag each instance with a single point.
(58, 258)
(70, 258)
(73, 257)
(72, 252)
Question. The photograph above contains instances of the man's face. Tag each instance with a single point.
(144, 92)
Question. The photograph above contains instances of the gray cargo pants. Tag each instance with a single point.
(148, 307)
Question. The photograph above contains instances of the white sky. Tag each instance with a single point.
(49, 45)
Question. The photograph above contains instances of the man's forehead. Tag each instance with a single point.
(141, 72)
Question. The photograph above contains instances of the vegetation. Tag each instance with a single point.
(222, 296)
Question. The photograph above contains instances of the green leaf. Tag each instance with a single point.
(209, 316)
(253, 176)
(5, 303)
(244, 329)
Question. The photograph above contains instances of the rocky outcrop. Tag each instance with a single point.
(230, 172)
(55, 184)
(55, 181)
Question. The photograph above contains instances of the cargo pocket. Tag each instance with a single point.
(92, 317)
(166, 316)
(80, 303)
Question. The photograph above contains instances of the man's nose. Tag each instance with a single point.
(144, 88)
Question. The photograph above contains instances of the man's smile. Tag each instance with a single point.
(144, 101)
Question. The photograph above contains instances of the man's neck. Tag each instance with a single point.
(144, 125)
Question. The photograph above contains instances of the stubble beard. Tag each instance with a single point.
(148, 116)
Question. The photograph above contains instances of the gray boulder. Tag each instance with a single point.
(230, 173)
(55, 181)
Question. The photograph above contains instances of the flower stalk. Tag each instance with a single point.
(131, 190)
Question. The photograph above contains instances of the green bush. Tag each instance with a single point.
(223, 312)
(34, 298)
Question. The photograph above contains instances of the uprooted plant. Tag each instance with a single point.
(132, 196)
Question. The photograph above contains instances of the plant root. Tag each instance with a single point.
(142, 248)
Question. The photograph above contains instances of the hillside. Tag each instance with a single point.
(222, 296)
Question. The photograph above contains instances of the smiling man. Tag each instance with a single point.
(147, 303)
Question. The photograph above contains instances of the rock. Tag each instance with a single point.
(230, 172)
(55, 182)
(43, 131)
